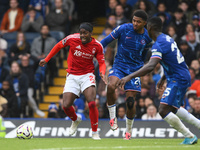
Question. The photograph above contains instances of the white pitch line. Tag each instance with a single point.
(119, 147)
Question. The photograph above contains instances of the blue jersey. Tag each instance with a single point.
(175, 68)
(132, 47)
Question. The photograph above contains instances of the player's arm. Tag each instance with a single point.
(107, 40)
(102, 65)
(141, 72)
(53, 51)
(147, 51)
(115, 34)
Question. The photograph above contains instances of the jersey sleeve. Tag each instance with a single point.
(156, 52)
(117, 32)
(61, 44)
(112, 36)
(101, 60)
(106, 41)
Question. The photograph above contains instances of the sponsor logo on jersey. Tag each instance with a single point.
(82, 54)
(79, 47)
(77, 53)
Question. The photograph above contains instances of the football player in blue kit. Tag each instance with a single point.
(133, 44)
(165, 51)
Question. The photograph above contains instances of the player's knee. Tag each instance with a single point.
(92, 104)
(66, 104)
(163, 113)
(130, 102)
(111, 88)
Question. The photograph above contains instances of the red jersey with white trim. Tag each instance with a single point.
(80, 58)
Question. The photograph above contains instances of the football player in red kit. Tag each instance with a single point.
(80, 77)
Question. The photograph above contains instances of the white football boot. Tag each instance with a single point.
(74, 126)
(95, 136)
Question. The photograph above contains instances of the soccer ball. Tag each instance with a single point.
(24, 131)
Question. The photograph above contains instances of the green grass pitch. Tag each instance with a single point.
(89, 144)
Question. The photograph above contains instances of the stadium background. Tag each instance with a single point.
(48, 94)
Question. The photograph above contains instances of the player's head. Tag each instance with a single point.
(139, 20)
(154, 26)
(85, 31)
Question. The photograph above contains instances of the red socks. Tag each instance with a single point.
(70, 112)
(94, 115)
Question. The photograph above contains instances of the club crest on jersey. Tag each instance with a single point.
(142, 42)
(93, 50)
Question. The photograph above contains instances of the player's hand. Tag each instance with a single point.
(122, 82)
(42, 63)
(160, 85)
(103, 78)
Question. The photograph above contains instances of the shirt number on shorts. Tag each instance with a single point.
(137, 81)
(167, 92)
(92, 79)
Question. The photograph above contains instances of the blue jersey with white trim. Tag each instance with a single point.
(132, 47)
(175, 68)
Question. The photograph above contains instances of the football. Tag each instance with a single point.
(24, 131)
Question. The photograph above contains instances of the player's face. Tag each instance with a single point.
(138, 23)
(85, 36)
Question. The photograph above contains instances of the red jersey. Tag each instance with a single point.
(80, 58)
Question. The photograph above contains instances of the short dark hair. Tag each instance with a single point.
(178, 10)
(43, 26)
(31, 8)
(87, 26)
(141, 13)
(196, 98)
(155, 23)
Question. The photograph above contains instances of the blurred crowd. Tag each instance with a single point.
(30, 29)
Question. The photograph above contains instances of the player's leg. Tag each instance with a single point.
(70, 93)
(68, 100)
(90, 95)
(130, 112)
(131, 88)
(111, 98)
(183, 114)
(88, 88)
(170, 102)
(168, 114)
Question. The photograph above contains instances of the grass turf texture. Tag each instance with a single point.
(88, 143)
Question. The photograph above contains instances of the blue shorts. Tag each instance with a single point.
(174, 94)
(133, 85)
